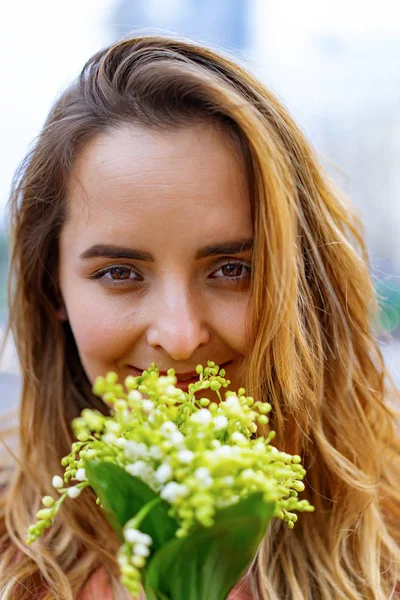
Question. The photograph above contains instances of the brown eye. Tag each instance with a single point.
(233, 271)
(118, 275)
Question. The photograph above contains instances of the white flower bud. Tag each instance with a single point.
(202, 416)
(144, 538)
(223, 451)
(168, 427)
(171, 390)
(109, 438)
(232, 401)
(156, 452)
(173, 490)
(177, 437)
(220, 422)
(203, 475)
(185, 456)
(247, 475)
(121, 442)
(147, 406)
(57, 482)
(135, 395)
(238, 437)
(130, 535)
(134, 536)
(163, 473)
(134, 450)
(229, 481)
(48, 501)
(112, 427)
(81, 475)
(139, 469)
(73, 492)
(165, 380)
(141, 550)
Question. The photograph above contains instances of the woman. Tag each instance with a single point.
(172, 211)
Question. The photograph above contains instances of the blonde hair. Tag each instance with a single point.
(312, 352)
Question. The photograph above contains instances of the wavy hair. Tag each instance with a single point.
(312, 351)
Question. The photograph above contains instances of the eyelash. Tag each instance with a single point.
(100, 275)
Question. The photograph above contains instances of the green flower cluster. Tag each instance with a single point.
(197, 455)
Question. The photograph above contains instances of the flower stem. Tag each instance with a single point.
(143, 512)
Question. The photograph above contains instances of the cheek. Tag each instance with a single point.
(232, 324)
(94, 339)
(99, 327)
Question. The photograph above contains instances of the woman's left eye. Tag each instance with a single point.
(117, 274)
(234, 271)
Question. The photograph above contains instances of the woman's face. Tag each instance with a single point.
(155, 253)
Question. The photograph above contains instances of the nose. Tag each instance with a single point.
(178, 326)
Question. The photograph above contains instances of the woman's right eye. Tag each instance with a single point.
(117, 275)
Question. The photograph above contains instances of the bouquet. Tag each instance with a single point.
(185, 482)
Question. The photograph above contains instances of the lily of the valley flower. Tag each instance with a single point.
(198, 456)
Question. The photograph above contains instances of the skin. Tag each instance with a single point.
(167, 194)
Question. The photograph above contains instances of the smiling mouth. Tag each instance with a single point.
(190, 377)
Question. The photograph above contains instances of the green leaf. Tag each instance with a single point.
(122, 496)
(152, 594)
(211, 560)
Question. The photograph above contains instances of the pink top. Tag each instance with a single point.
(98, 588)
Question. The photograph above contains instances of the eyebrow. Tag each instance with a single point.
(110, 251)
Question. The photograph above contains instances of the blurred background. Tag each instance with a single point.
(334, 65)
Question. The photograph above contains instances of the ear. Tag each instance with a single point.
(62, 314)
(61, 311)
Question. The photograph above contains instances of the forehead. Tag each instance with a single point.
(133, 181)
